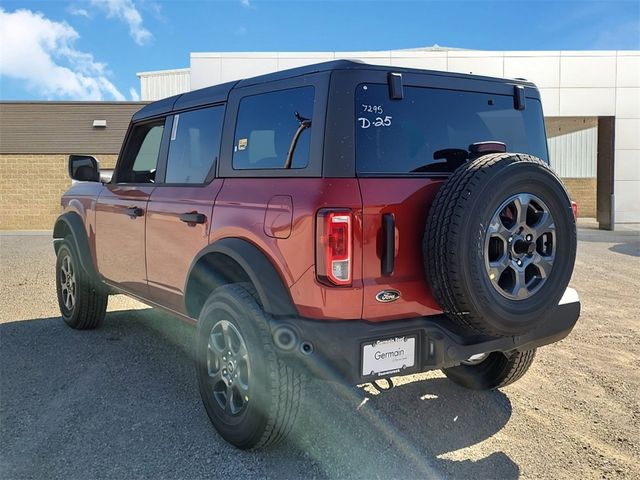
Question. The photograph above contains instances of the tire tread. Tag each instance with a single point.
(447, 215)
(287, 383)
(91, 295)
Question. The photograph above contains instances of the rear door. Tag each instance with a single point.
(122, 206)
(180, 208)
(405, 150)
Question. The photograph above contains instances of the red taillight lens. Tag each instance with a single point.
(574, 207)
(334, 246)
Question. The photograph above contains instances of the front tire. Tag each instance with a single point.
(82, 299)
(250, 395)
(497, 370)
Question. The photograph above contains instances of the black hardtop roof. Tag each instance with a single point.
(220, 93)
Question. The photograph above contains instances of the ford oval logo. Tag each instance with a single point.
(386, 296)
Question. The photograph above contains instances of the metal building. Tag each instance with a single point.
(591, 101)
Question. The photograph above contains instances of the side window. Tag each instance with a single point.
(194, 145)
(273, 130)
(141, 156)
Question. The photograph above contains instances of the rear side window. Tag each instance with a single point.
(194, 145)
(271, 124)
(430, 129)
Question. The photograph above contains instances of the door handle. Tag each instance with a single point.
(134, 211)
(193, 217)
(389, 249)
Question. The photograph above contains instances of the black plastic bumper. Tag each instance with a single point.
(333, 349)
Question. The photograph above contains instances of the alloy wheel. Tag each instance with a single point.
(68, 283)
(520, 246)
(228, 368)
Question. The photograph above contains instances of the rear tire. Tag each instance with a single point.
(81, 298)
(250, 395)
(496, 371)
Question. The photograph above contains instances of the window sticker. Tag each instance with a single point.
(242, 144)
(174, 129)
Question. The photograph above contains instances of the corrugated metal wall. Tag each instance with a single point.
(64, 127)
(573, 146)
(158, 85)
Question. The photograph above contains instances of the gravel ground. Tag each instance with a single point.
(121, 401)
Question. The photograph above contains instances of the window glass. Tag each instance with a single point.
(269, 125)
(141, 157)
(194, 145)
(430, 130)
(147, 157)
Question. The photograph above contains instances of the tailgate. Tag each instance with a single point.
(407, 200)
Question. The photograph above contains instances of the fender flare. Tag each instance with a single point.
(273, 294)
(72, 222)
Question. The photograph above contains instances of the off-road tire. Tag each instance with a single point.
(496, 371)
(453, 243)
(91, 296)
(276, 388)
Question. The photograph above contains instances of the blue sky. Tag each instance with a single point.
(92, 49)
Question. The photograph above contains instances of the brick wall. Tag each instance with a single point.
(583, 192)
(31, 186)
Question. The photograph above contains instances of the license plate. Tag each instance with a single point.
(388, 356)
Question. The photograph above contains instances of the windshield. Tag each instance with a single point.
(430, 130)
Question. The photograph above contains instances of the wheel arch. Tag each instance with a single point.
(235, 260)
(70, 224)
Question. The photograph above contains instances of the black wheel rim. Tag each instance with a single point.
(520, 246)
(228, 368)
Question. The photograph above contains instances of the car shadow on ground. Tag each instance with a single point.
(122, 402)
(630, 248)
(626, 242)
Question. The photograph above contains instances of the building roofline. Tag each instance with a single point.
(163, 72)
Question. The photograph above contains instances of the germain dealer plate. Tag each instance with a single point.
(388, 356)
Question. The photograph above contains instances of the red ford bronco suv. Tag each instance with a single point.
(342, 220)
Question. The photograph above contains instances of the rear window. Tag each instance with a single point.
(430, 129)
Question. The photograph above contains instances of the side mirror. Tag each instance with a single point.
(84, 168)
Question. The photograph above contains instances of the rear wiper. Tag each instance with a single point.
(453, 157)
(304, 124)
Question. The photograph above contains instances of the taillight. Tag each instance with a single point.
(334, 247)
(574, 207)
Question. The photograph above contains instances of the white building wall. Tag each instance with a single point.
(627, 139)
(572, 84)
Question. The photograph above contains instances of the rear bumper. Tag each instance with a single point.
(333, 349)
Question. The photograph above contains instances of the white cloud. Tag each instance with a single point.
(41, 52)
(241, 30)
(78, 12)
(133, 93)
(126, 11)
(245, 3)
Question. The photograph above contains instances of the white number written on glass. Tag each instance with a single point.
(372, 109)
(376, 122)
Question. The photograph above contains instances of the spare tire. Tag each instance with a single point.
(500, 244)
